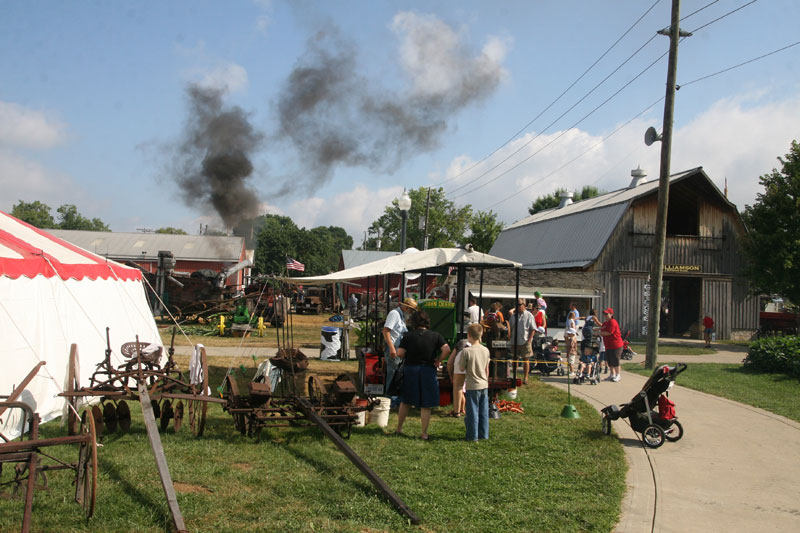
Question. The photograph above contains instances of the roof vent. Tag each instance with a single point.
(638, 177)
(566, 199)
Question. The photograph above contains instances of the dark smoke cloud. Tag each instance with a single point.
(214, 164)
(334, 116)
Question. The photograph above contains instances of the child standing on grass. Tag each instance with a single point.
(475, 362)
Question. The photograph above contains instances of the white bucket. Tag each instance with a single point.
(380, 413)
(512, 394)
(361, 419)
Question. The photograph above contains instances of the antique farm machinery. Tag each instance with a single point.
(115, 385)
(27, 454)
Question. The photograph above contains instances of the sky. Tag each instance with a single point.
(184, 114)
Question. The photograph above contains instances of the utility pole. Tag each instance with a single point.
(427, 212)
(657, 264)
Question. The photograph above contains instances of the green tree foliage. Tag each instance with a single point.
(447, 224)
(38, 214)
(69, 218)
(171, 231)
(552, 200)
(772, 245)
(485, 228)
(278, 237)
(34, 213)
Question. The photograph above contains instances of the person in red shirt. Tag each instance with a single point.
(708, 328)
(612, 339)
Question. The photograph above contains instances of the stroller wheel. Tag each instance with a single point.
(606, 426)
(653, 436)
(674, 432)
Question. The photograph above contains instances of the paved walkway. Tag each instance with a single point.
(737, 468)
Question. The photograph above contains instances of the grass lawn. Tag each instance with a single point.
(777, 393)
(305, 331)
(538, 472)
(674, 349)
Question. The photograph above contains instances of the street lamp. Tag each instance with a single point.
(404, 203)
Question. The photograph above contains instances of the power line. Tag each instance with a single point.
(725, 15)
(590, 113)
(739, 65)
(638, 115)
(562, 167)
(587, 115)
(518, 150)
(579, 78)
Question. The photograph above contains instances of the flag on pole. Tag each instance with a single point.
(292, 264)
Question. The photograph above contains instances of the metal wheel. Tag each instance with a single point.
(674, 432)
(606, 426)
(178, 416)
(97, 414)
(199, 408)
(316, 390)
(653, 436)
(230, 391)
(110, 417)
(123, 416)
(165, 415)
(73, 384)
(86, 470)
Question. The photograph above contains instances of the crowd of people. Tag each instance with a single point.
(408, 338)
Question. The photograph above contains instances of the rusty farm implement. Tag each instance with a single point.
(33, 461)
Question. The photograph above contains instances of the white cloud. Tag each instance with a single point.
(27, 180)
(26, 128)
(738, 138)
(353, 210)
(228, 77)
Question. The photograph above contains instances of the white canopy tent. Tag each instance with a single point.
(52, 295)
(413, 262)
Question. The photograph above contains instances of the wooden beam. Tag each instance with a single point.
(161, 459)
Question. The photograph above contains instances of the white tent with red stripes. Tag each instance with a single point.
(52, 295)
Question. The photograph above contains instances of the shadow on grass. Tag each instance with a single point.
(158, 516)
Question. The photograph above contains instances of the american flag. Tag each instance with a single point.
(292, 264)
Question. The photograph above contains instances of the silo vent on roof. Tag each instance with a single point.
(638, 177)
(566, 199)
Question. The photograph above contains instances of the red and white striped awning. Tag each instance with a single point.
(29, 251)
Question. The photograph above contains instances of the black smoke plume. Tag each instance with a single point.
(334, 116)
(214, 163)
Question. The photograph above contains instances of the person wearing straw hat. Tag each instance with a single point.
(393, 330)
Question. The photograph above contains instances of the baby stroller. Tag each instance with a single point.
(548, 360)
(655, 426)
(593, 375)
(627, 352)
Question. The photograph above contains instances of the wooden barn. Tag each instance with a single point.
(602, 248)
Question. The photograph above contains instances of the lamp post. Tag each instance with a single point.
(404, 203)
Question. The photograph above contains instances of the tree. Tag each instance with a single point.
(553, 199)
(772, 244)
(69, 218)
(38, 214)
(485, 229)
(278, 237)
(171, 231)
(447, 224)
(34, 213)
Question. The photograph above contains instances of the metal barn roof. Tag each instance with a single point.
(147, 245)
(573, 236)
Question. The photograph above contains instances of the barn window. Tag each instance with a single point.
(683, 216)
